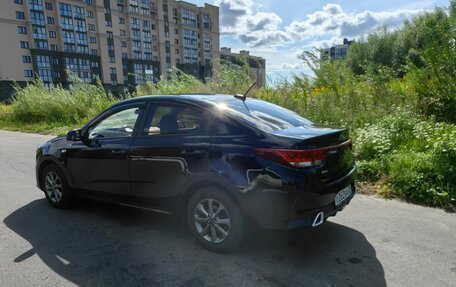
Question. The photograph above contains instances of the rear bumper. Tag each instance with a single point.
(280, 203)
(309, 218)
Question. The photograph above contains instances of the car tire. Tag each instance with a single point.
(56, 188)
(219, 227)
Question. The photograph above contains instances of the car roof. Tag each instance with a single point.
(205, 99)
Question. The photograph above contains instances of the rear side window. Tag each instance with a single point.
(265, 116)
(176, 119)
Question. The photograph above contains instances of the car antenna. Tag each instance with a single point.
(244, 96)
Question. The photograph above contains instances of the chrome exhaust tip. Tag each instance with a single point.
(319, 218)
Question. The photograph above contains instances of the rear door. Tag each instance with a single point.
(173, 144)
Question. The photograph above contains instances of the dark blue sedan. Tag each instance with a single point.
(219, 161)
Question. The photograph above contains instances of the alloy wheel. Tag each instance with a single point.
(53, 186)
(212, 220)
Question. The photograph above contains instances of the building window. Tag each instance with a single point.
(93, 40)
(124, 55)
(28, 73)
(20, 15)
(188, 17)
(54, 48)
(146, 36)
(66, 23)
(26, 59)
(90, 14)
(146, 25)
(123, 44)
(91, 27)
(176, 41)
(37, 18)
(176, 31)
(69, 47)
(24, 44)
(79, 12)
(50, 20)
(94, 52)
(123, 33)
(82, 49)
(109, 34)
(21, 30)
(36, 5)
(81, 38)
(177, 51)
(121, 20)
(20, 2)
(65, 9)
(112, 71)
(136, 34)
(80, 25)
(108, 23)
(68, 36)
(134, 23)
(48, 5)
(112, 60)
(52, 34)
(43, 62)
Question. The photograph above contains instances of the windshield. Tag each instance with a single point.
(264, 116)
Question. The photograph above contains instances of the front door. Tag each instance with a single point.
(99, 164)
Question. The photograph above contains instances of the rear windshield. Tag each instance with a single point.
(264, 116)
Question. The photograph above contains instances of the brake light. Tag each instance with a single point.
(294, 158)
(299, 158)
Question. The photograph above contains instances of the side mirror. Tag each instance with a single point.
(74, 135)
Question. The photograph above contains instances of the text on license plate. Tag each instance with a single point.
(342, 195)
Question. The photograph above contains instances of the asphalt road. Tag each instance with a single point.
(373, 242)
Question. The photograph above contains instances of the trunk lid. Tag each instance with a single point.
(334, 143)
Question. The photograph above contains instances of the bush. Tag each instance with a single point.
(37, 103)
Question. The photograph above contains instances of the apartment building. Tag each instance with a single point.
(337, 51)
(122, 42)
(257, 64)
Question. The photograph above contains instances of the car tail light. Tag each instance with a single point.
(294, 158)
(300, 158)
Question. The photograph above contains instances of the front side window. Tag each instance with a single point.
(119, 124)
(175, 119)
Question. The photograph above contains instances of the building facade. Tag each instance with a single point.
(257, 64)
(121, 42)
(336, 52)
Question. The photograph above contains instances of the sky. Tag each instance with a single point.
(281, 30)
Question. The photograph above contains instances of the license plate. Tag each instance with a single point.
(342, 195)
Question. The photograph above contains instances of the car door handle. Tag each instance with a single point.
(119, 152)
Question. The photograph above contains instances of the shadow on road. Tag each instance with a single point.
(105, 245)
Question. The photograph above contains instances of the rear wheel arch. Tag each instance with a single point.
(196, 185)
